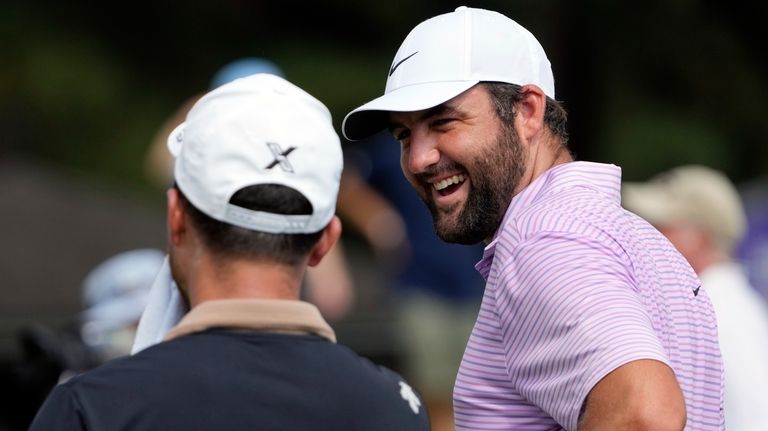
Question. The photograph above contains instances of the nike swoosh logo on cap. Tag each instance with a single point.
(396, 65)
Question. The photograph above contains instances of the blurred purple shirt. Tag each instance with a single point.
(576, 287)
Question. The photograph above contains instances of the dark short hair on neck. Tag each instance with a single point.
(506, 96)
(228, 241)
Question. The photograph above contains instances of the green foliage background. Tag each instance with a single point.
(86, 85)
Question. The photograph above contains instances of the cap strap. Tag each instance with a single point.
(267, 222)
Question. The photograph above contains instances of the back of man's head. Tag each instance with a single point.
(257, 166)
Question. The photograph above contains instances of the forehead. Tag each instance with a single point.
(475, 101)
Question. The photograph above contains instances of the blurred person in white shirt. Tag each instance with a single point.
(700, 211)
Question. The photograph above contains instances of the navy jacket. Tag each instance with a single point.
(234, 380)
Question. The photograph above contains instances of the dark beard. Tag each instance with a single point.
(494, 178)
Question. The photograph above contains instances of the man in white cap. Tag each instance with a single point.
(700, 211)
(257, 173)
(590, 319)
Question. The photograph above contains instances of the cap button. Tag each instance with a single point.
(460, 8)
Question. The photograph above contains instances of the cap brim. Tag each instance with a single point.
(647, 201)
(374, 115)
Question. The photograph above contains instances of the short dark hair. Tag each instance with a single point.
(505, 96)
(229, 241)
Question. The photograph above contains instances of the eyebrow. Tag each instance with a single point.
(441, 109)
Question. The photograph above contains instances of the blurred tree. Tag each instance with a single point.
(86, 84)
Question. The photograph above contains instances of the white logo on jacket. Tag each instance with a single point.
(413, 400)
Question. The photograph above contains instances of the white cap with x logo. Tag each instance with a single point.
(260, 129)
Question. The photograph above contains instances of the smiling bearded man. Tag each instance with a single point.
(590, 318)
(492, 178)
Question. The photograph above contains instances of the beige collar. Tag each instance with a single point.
(269, 315)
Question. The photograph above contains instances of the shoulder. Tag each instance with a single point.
(60, 411)
(345, 361)
(405, 407)
(136, 375)
(575, 209)
(335, 387)
(571, 216)
(375, 388)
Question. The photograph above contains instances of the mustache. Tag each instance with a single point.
(438, 170)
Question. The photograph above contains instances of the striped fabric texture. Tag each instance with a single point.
(576, 287)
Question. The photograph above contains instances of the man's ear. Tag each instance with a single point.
(330, 235)
(176, 222)
(530, 111)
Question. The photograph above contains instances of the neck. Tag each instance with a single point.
(545, 153)
(214, 279)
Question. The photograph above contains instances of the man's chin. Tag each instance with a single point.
(447, 223)
(460, 228)
(449, 230)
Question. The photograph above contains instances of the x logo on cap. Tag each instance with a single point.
(281, 157)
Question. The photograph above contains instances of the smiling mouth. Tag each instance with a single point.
(449, 185)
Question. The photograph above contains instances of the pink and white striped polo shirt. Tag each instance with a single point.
(576, 287)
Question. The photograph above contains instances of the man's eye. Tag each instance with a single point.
(441, 122)
(401, 135)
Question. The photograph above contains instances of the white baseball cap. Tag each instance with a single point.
(694, 195)
(260, 129)
(448, 54)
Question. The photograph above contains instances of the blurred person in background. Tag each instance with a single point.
(114, 295)
(257, 171)
(590, 318)
(337, 296)
(158, 163)
(437, 292)
(753, 250)
(700, 211)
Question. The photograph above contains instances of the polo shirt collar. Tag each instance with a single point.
(269, 315)
(484, 266)
(603, 178)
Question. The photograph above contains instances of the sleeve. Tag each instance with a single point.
(408, 409)
(569, 315)
(60, 411)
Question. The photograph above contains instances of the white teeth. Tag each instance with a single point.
(440, 185)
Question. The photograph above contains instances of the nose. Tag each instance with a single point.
(421, 154)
